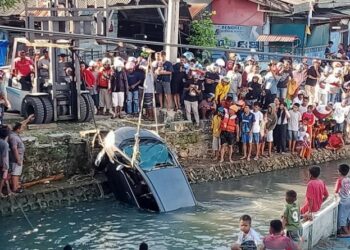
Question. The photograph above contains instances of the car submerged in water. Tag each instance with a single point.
(155, 182)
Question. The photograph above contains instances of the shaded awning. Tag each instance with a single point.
(276, 38)
(196, 8)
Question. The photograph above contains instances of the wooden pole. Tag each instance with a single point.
(172, 29)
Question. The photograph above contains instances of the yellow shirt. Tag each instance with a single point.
(322, 137)
(215, 125)
(221, 90)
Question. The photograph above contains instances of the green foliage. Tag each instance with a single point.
(202, 31)
(7, 4)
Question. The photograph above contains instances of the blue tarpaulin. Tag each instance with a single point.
(3, 51)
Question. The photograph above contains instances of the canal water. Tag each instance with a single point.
(211, 225)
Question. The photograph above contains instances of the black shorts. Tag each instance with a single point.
(148, 101)
(227, 138)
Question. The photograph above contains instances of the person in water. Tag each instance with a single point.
(342, 189)
(248, 238)
(143, 246)
(316, 193)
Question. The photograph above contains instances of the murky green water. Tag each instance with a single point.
(212, 225)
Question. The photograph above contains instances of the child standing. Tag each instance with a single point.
(263, 134)
(342, 189)
(216, 130)
(316, 192)
(291, 216)
(248, 238)
(229, 132)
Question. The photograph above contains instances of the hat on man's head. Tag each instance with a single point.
(234, 108)
(225, 79)
(210, 95)
(221, 109)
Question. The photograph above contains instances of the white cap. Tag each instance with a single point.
(118, 63)
(132, 59)
(106, 61)
(220, 62)
(92, 63)
(253, 50)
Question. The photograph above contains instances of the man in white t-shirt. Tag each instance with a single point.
(293, 126)
(341, 110)
(256, 128)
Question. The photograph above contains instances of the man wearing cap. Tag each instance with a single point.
(313, 76)
(23, 68)
(222, 89)
(63, 67)
(103, 83)
(43, 70)
(229, 131)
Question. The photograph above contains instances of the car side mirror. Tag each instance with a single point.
(120, 167)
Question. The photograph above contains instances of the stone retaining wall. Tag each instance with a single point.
(62, 193)
(207, 170)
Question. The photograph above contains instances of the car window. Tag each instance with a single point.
(153, 154)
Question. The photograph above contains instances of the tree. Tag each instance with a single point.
(202, 31)
(7, 4)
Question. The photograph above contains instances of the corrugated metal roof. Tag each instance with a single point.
(19, 8)
(276, 38)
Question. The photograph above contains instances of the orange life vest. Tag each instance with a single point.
(229, 123)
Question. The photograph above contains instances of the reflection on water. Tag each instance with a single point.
(211, 225)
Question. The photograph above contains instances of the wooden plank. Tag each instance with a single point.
(42, 126)
(63, 18)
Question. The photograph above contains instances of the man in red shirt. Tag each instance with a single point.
(316, 192)
(103, 84)
(23, 67)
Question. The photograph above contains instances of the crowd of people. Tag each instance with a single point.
(288, 106)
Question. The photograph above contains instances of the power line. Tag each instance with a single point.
(145, 42)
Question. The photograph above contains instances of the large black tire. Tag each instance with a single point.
(83, 109)
(90, 107)
(48, 108)
(34, 105)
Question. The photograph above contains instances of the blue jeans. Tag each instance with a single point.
(132, 102)
(282, 93)
(333, 98)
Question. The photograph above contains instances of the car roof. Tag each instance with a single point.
(128, 133)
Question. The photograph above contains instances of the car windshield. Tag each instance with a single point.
(153, 154)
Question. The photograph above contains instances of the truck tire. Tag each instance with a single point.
(83, 109)
(48, 108)
(33, 105)
(90, 106)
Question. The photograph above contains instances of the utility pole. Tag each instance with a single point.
(172, 29)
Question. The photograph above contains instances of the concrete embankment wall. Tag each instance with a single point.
(57, 153)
